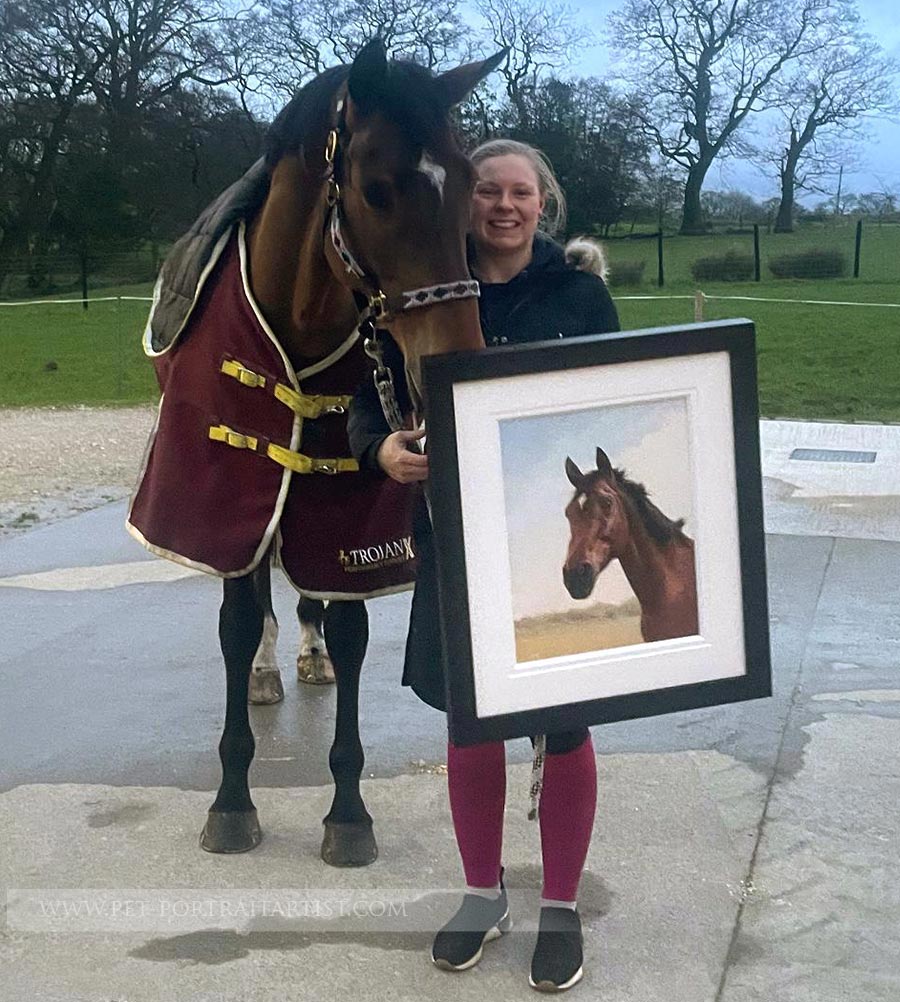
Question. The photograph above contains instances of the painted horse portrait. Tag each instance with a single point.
(355, 218)
(612, 518)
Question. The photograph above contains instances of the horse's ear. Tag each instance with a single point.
(368, 75)
(455, 85)
(604, 466)
(576, 477)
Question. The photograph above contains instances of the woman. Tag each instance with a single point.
(528, 293)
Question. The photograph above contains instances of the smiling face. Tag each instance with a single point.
(506, 205)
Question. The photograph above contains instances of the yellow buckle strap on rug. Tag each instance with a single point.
(306, 405)
(222, 433)
(310, 405)
(299, 463)
(294, 461)
(245, 376)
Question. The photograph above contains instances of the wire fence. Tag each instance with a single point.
(55, 353)
(753, 254)
(869, 251)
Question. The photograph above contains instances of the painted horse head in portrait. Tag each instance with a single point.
(612, 518)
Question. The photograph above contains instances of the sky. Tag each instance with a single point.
(879, 155)
(648, 439)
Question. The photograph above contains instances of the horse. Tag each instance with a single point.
(612, 518)
(356, 218)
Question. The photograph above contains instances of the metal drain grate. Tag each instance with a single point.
(834, 455)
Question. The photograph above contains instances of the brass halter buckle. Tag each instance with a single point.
(378, 304)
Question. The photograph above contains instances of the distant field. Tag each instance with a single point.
(64, 354)
(557, 636)
(878, 258)
(827, 362)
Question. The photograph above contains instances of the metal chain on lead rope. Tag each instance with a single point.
(384, 378)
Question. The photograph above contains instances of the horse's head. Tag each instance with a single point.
(598, 523)
(402, 187)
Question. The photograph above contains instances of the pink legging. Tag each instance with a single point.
(477, 781)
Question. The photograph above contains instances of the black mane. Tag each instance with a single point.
(409, 98)
(660, 527)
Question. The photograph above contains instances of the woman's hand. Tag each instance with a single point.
(398, 461)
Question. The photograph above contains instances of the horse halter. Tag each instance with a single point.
(379, 306)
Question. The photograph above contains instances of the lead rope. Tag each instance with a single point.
(384, 378)
(537, 774)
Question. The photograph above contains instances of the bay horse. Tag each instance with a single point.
(360, 221)
(612, 518)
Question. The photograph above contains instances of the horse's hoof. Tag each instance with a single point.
(265, 687)
(349, 843)
(230, 831)
(315, 669)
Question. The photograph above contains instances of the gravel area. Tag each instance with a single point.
(55, 462)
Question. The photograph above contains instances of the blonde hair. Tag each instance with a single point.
(587, 255)
(554, 217)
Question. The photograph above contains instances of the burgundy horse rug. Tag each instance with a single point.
(247, 453)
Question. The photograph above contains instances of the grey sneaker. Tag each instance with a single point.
(459, 945)
(558, 953)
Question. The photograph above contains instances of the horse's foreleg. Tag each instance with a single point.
(313, 663)
(348, 840)
(265, 678)
(232, 824)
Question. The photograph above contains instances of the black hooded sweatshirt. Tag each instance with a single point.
(546, 300)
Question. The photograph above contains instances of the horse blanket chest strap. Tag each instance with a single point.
(294, 461)
(307, 405)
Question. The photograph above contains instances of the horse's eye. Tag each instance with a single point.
(378, 195)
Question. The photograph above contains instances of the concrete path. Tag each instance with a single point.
(741, 853)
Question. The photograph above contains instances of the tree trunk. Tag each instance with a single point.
(784, 219)
(692, 214)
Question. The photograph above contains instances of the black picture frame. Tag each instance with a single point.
(461, 388)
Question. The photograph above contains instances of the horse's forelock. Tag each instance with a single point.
(412, 98)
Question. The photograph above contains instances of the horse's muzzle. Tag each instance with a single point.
(579, 581)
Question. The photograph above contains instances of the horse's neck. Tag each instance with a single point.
(652, 568)
(310, 313)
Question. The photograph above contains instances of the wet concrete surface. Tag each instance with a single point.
(126, 685)
(740, 853)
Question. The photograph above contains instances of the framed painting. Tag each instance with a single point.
(597, 506)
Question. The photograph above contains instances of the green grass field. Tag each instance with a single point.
(826, 362)
(63, 354)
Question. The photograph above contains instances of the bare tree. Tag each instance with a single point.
(704, 66)
(123, 57)
(295, 39)
(540, 35)
(156, 47)
(50, 55)
(831, 90)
